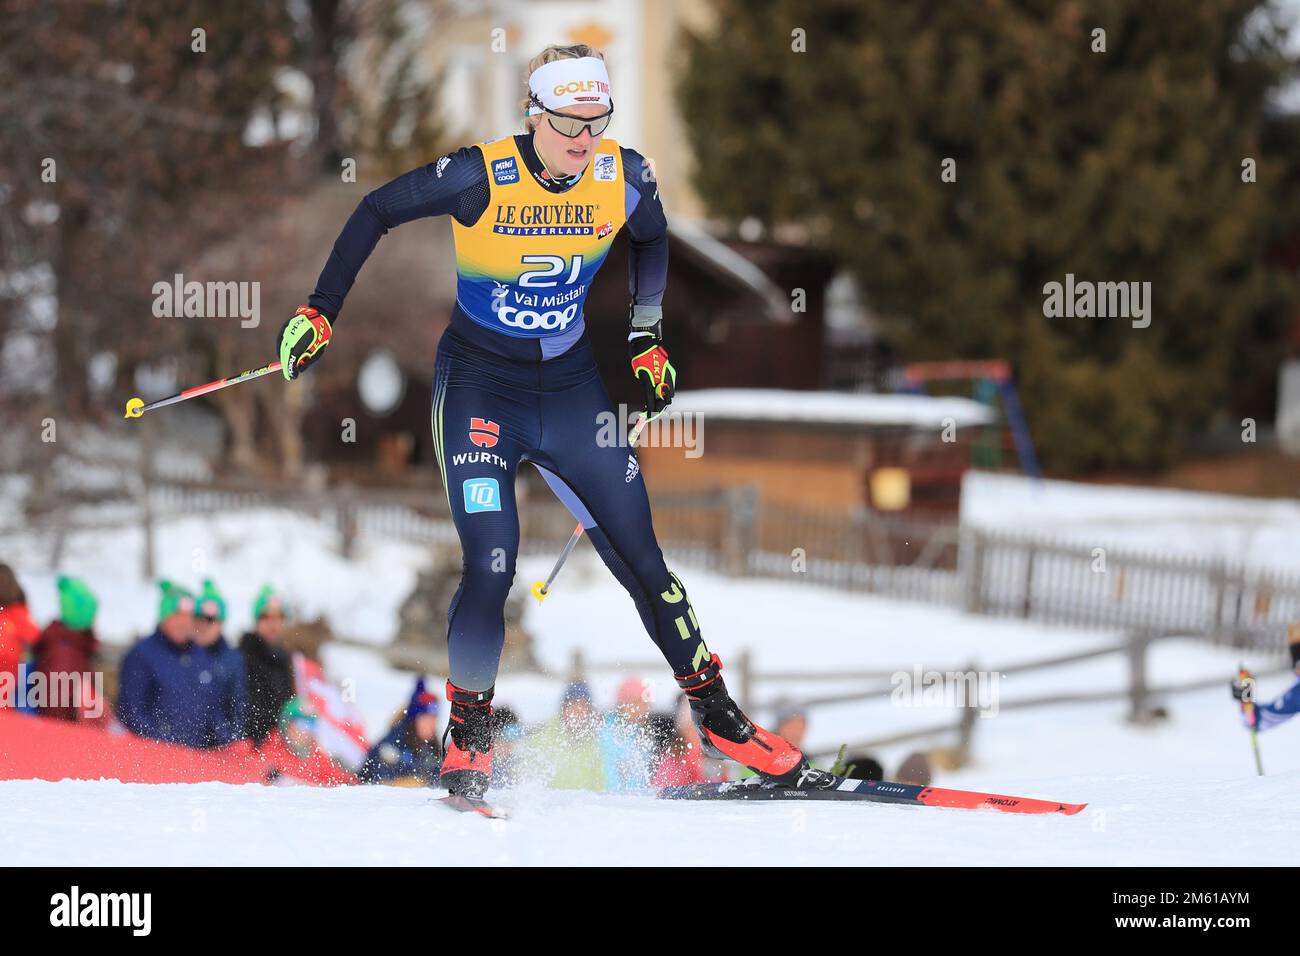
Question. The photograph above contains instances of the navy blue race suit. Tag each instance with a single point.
(505, 395)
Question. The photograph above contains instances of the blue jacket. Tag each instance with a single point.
(171, 692)
(231, 678)
(402, 754)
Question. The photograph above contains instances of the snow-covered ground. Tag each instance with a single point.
(241, 551)
(1132, 820)
(1179, 791)
(1256, 532)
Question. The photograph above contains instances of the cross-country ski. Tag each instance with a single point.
(868, 791)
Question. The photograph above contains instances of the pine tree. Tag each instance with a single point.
(1115, 164)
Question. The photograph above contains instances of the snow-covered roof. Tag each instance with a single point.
(731, 264)
(832, 408)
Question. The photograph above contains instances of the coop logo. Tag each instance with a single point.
(604, 230)
(528, 319)
(484, 432)
(606, 168)
(481, 494)
(505, 172)
(76, 909)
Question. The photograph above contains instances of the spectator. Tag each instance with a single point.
(167, 688)
(683, 761)
(662, 731)
(66, 647)
(568, 743)
(864, 767)
(295, 755)
(268, 665)
(506, 734)
(792, 724)
(410, 754)
(17, 631)
(230, 683)
(915, 769)
(625, 740)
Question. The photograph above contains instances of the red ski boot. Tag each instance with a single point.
(467, 755)
(727, 733)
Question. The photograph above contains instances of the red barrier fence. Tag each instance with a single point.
(40, 748)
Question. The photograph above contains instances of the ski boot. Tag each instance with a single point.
(467, 743)
(726, 733)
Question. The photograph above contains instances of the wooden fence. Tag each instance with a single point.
(956, 728)
(1074, 584)
(982, 572)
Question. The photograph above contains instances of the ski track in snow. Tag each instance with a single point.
(1130, 821)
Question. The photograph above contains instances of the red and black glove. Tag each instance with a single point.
(651, 367)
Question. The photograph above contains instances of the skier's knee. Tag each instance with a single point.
(491, 573)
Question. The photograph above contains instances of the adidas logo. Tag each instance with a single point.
(633, 469)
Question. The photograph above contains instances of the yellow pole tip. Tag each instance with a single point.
(134, 408)
(539, 591)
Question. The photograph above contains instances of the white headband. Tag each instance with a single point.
(569, 82)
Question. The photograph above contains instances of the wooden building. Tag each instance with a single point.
(817, 451)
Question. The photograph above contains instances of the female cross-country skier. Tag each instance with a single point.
(533, 216)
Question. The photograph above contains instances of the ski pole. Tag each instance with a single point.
(543, 588)
(136, 407)
(1247, 680)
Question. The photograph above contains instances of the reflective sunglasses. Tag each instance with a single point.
(572, 126)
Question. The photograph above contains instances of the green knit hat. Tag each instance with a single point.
(211, 602)
(77, 605)
(264, 599)
(296, 710)
(174, 598)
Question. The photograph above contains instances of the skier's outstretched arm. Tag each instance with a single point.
(454, 185)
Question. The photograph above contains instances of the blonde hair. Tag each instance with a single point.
(575, 51)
